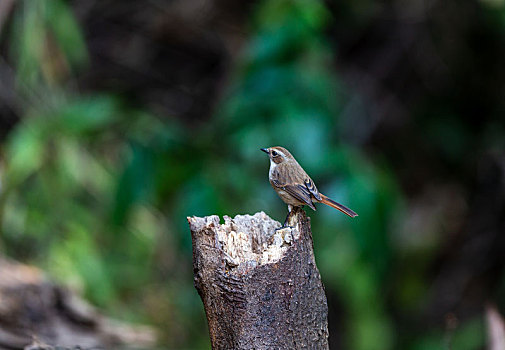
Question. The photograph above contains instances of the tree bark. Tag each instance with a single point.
(260, 287)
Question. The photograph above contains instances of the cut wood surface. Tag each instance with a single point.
(260, 286)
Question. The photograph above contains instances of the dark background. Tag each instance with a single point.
(120, 118)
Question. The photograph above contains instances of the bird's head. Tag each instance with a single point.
(278, 154)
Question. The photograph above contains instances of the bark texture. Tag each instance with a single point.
(260, 287)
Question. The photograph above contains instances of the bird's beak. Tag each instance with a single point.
(264, 150)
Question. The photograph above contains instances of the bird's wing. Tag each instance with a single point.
(300, 192)
(311, 186)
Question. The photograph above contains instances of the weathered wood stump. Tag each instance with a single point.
(260, 287)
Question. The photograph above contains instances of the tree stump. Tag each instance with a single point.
(260, 287)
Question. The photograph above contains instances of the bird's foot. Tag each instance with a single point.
(283, 227)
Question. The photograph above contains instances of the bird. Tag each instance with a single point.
(293, 185)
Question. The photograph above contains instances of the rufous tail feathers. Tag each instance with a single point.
(330, 202)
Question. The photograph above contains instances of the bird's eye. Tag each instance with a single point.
(274, 154)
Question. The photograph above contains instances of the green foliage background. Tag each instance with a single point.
(96, 191)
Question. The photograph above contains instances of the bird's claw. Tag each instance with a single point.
(283, 227)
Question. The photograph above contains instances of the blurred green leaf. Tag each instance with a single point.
(136, 182)
(28, 29)
(47, 41)
(92, 113)
(67, 31)
(77, 260)
(470, 335)
(25, 152)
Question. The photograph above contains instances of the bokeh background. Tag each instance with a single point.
(120, 118)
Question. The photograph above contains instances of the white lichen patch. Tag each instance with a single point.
(280, 242)
(236, 246)
(248, 241)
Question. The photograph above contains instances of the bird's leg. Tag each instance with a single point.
(286, 221)
(285, 224)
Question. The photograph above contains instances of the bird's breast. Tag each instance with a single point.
(271, 172)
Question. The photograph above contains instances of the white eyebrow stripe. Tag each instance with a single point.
(280, 152)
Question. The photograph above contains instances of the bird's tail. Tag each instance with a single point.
(330, 202)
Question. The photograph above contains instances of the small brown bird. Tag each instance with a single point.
(293, 184)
